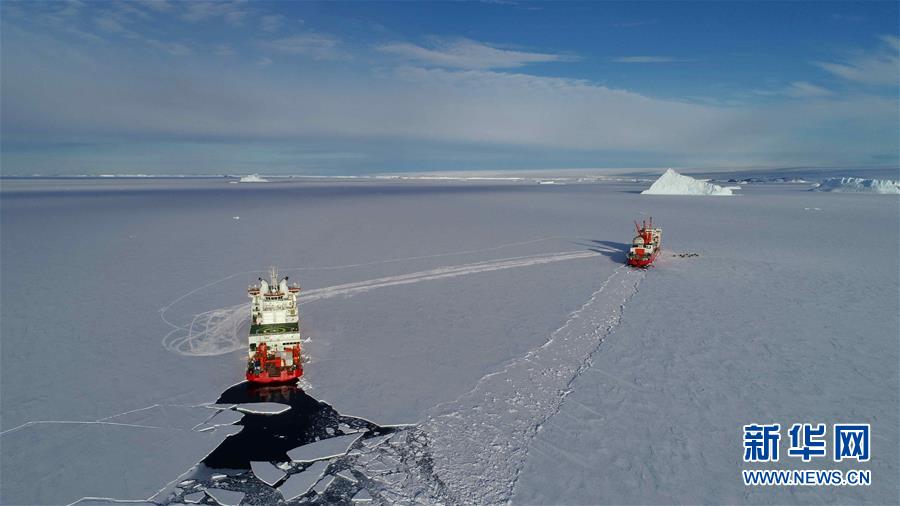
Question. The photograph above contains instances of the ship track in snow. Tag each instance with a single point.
(217, 332)
(472, 450)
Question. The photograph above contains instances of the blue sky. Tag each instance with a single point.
(163, 87)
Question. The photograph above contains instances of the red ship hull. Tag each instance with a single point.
(284, 376)
(643, 262)
(271, 368)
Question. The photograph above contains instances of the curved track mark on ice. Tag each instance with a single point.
(164, 309)
(475, 446)
(217, 332)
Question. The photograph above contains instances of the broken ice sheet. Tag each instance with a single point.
(194, 498)
(347, 475)
(375, 441)
(323, 449)
(161, 415)
(225, 497)
(224, 417)
(269, 474)
(323, 485)
(300, 483)
(362, 496)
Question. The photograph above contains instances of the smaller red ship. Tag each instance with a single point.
(645, 246)
(274, 347)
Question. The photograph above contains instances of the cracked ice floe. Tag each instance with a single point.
(362, 496)
(323, 484)
(347, 475)
(324, 449)
(222, 418)
(267, 473)
(300, 483)
(225, 497)
(263, 408)
(194, 498)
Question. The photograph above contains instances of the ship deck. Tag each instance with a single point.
(274, 328)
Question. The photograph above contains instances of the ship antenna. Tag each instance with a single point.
(273, 272)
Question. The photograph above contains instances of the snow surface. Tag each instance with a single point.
(673, 183)
(858, 185)
(411, 321)
(324, 449)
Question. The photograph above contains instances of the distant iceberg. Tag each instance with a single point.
(673, 183)
(253, 178)
(858, 185)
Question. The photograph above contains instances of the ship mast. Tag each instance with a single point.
(273, 272)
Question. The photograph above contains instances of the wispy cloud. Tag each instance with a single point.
(650, 59)
(224, 50)
(803, 89)
(156, 5)
(232, 13)
(879, 67)
(316, 45)
(115, 23)
(271, 22)
(173, 48)
(468, 54)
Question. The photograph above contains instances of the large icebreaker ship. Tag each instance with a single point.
(645, 246)
(274, 353)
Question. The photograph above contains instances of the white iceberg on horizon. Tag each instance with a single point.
(673, 183)
(858, 185)
(253, 178)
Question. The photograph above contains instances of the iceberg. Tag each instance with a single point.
(673, 183)
(858, 185)
(253, 178)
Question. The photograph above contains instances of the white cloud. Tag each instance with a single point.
(115, 23)
(72, 8)
(272, 23)
(156, 5)
(649, 59)
(468, 54)
(804, 89)
(45, 90)
(879, 67)
(231, 12)
(173, 48)
(224, 50)
(316, 45)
